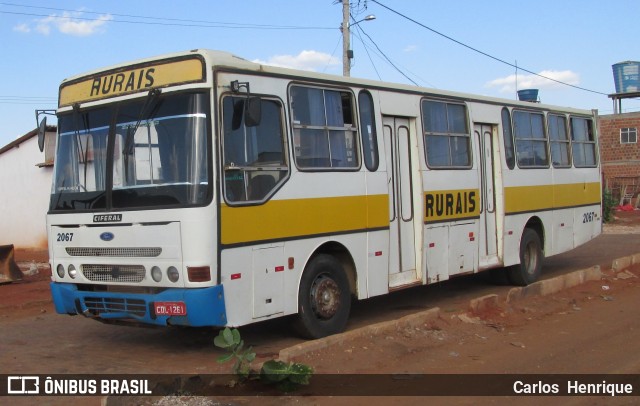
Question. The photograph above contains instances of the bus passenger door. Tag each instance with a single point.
(488, 249)
(402, 250)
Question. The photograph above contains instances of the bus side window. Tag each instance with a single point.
(531, 141)
(254, 157)
(324, 128)
(368, 131)
(583, 142)
(559, 141)
(507, 135)
(447, 138)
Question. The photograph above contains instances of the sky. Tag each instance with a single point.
(461, 45)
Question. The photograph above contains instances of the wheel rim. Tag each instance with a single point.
(325, 297)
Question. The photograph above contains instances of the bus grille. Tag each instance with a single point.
(147, 252)
(97, 305)
(114, 273)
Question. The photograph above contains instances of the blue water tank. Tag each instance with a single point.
(529, 95)
(626, 76)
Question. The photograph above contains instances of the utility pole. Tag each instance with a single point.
(347, 53)
(346, 35)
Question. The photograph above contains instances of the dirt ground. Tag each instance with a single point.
(590, 329)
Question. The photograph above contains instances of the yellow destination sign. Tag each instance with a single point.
(132, 79)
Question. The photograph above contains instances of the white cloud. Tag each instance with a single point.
(22, 28)
(71, 24)
(410, 48)
(305, 60)
(507, 84)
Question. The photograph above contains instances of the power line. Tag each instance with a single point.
(387, 58)
(379, 53)
(367, 51)
(134, 16)
(484, 53)
(208, 25)
(332, 53)
(28, 97)
(367, 47)
(163, 21)
(358, 30)
(31, 103)
(33, 100)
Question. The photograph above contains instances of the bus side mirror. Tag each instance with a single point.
(253, 111)
(42, 129)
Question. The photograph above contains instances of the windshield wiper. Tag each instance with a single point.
(147, 109)
(83, 152)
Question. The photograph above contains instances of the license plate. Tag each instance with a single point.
(170, 308)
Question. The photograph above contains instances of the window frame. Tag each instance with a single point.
(449, 134)
(284, 142)
(507, 136)
(297, 128)
(629, 131)
(112, 198)
(544, 139)
(566, 140)
(590, 131)
(370, 146)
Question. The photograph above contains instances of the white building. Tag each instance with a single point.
(25, 187)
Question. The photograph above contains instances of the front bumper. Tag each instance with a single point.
(205, 306)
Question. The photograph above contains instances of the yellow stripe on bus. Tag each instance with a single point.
(286, 219)
(126, 81)
(521, 199)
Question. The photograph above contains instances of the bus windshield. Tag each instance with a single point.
(145, 153)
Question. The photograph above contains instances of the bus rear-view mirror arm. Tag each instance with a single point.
(252, 106)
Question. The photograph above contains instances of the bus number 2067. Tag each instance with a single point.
(65, 237)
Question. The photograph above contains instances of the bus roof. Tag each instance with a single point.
(225, 60)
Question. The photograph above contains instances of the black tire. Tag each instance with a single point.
(324, 299)
(531, 257)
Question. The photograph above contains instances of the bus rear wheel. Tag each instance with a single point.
(324, 300)
(531, 256)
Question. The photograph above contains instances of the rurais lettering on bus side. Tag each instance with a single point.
(451, 205)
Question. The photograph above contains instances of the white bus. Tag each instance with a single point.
(201, 189)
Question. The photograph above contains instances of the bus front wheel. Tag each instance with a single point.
(324, 300)
(531, 256)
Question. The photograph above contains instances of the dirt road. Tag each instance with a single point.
(593, 328)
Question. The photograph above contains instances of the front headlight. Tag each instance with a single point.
(156, 274)
(73, 272)
(173, 274)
